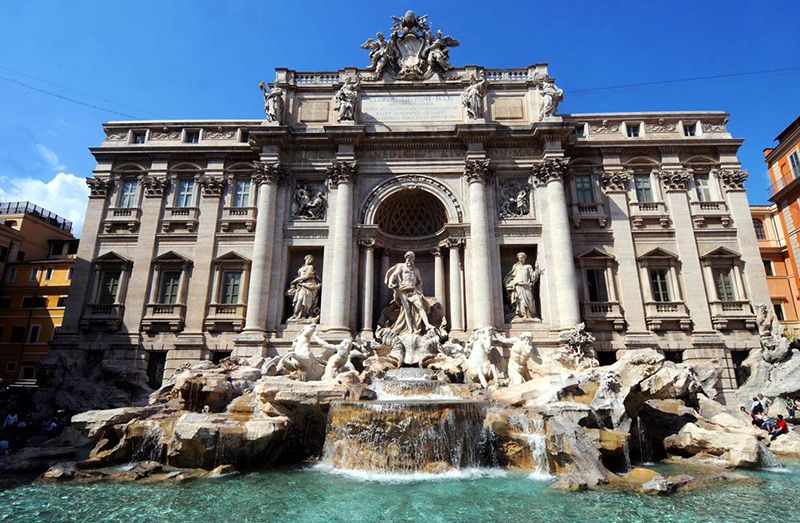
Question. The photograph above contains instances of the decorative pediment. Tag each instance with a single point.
(595, 257)
(595, 253)
(112, 258)
(232, 257)
(658, 253)
(721, 252)
(172, 258)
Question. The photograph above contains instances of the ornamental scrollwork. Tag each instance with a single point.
(732, 179)
(615, 181)
(268, 172)
(478, 170)
(674, 179)
(549, 170)
(211, 185)
(155, 186)
(341, 172)
(98, 187)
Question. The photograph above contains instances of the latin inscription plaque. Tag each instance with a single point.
(429, 108)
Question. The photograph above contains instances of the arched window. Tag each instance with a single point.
(758, 225)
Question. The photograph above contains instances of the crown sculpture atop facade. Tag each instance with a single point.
(412, 52)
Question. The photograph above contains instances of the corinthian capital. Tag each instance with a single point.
(155, 187)
(549, 170)
(615, 181)
(674, 179)
(732, 179)
(341, 172)
(211, 185)
(477, 170)
(268, 172)
(98, 187)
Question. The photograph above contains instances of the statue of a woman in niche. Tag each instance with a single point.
(519, 284)
(304, 290)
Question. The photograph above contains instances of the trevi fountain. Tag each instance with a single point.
(421, 416)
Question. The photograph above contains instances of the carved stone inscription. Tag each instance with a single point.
(432, 108)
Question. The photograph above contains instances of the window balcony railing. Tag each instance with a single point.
(126, 217)
(234, 217)
(180, 216)
(106, 316)
(225, 316)
(780, 183)
(703, 210)
(604, 312)
(170, 314)
(724, 311)
(642, 212)
(589, 211)
(658, 312)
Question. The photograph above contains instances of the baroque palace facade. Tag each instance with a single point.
(197, 236)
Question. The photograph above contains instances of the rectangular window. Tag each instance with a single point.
(185, 193)
(109, 285)
(659, 284)
(596, 285)
(768, 267)
(127, 196)
(644, 191)
(724, 282)
(794, 161)
(3, 253)
(33, 335)
(192, 136)
(580, 130)
(11, 275)
(34, 274)
(17, 335)
(34, 302)
(48, 274)
(11, 366)
(20, 256)
(758, 225)
(170, 282)
(56, 248)
(231, 282)
(702, 188)
(689, 129)
(5, 302)
(244, 137)
(778, 311)
(62, 301)
(632, 130)
(139, 137)
(28, 372)
(241, 193)
(583, 189)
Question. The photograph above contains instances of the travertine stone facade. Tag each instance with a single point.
(196, 228)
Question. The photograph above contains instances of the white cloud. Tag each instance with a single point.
(65, 194)
(50, 157)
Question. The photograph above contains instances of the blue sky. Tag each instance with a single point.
(195, 59)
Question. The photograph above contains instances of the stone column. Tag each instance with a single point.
(675, 183)
(754, 274)
(551, 174)
(341, 178)
(456, 292)
(438, 276)
(615, 184)
(477, 172)
(369, 287)
(267, 178)
(100, 186)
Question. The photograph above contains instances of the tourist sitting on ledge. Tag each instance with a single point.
(791, 406)
(780, 427)
(756, 408)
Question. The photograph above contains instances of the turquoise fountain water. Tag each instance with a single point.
(314, 495)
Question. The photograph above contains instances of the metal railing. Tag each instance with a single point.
(34, 210)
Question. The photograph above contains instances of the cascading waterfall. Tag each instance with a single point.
(768, 459)
(533, 430)
(413, 389)
(405, 435)
(151, 446)
(645, 449)
(626, 451)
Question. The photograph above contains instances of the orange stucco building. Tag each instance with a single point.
(783, 248)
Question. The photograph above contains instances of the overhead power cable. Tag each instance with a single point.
(67, 98)
(681, 80)
(84, 93)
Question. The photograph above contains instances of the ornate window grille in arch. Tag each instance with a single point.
(411, 213)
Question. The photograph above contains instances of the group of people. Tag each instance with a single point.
(759, 414)
(19, 430)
